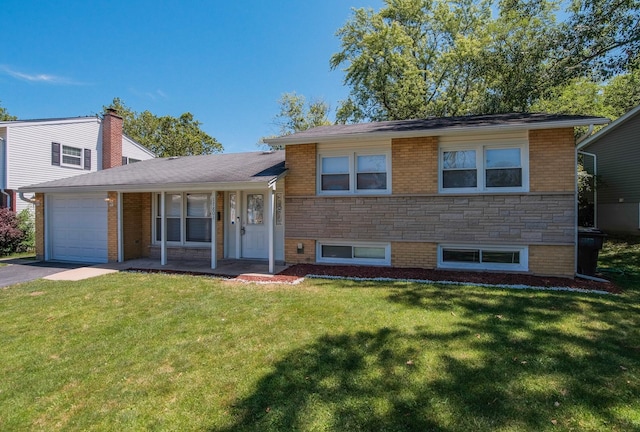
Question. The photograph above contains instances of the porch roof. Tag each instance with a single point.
(206, 172)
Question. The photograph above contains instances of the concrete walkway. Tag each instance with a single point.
(23, 270)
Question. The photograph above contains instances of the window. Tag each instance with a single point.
(354, 173)
(128, 160)
(483, 257)
(279, 209)
(188, 217)
(356, 253)
(71, 157)
(482, 168)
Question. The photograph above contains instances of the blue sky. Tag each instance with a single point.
(227, 62)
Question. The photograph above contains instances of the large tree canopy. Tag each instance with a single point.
(418, 58)
(166, 135)
(5, 116)
(296, 114)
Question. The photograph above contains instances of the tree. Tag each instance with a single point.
(5, 116)
(296, 114)
(166, 135)
(418, 58)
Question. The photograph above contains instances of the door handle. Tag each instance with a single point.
(242, 231)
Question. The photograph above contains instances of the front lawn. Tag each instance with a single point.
(166, 352)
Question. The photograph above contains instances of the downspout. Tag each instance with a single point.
(29, 200)
(586, 135)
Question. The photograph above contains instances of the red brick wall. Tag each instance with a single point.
(111, 140)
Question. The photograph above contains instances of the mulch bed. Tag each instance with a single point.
(370, 272)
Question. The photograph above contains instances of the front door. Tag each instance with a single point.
(255, 234)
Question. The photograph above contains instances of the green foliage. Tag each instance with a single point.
(26, 224)
(10, 233)
(419, 58)
(5, 116)
(166, 135)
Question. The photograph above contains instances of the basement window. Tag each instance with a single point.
(514, 258)
(354, 253)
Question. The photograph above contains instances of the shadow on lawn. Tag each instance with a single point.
(503, 363)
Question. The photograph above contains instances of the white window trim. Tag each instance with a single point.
(522, 266)
(183, 219)
(68, 165)
(353, 157)
(363, 261)
(480, 148)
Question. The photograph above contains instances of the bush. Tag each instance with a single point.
(10, 233)
(26, 224)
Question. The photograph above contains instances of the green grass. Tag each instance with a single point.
(165, 352)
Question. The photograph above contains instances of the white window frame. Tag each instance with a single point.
(353, 161)
(80, 158)
(183, 220)
(480, 149)
(523, 265)
(363, 261)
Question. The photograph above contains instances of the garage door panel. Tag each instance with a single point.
(78, 228)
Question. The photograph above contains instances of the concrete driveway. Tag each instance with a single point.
(25, 270)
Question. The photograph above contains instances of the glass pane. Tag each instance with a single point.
(199, 230)
(461, 255)
(501, 257)
(335, 165)
(335, 182)
(372, 163)
(198, 205)
(158, 198)
(369, 252)
(173, 230)
(232, 208)
(503, 158)
(255, 209)
(336, 251)
(71, 160)
(72, 151)
(279, 209)
(504, 177)
(372, 181)
(174, 205)
(459, 179)
(459, 159)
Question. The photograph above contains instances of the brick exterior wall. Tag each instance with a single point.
(291, 255)
(112, 227)
(300, 160)
(412, 254)
(552, 260)
(39, 240)
(111, 140)
(414, 164)
(482, 219)
(136, 224)
(552, 163)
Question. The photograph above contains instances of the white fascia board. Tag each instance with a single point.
(175, 187)
(609, 128)
(23, 123)
(457, 130)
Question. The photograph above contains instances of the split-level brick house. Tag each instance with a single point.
(477, 192)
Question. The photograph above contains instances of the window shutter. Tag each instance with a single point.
(55, 153)
(87, 159)
(124, 160)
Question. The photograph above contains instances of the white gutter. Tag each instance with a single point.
(586, 135)
(29, 200)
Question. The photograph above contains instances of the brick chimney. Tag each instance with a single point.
(111, 139)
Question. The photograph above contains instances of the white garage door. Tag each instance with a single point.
(78, 228)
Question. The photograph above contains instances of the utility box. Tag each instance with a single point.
(590, 241)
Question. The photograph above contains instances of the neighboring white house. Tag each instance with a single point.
(34, 151)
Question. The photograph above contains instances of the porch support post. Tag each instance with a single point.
(163, 230)
(120, 229)
(239, 210)
(214, 231)
(272, 262)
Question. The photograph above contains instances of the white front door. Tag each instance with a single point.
(255, 232)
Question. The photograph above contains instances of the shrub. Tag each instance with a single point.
(26, 224)
(10, 233)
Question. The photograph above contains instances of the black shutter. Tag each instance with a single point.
(55, 153)
(124, 160)
(87, 159)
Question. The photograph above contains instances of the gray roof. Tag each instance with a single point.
(438, 126)
(222, 171)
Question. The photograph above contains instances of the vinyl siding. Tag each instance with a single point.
(132, 150)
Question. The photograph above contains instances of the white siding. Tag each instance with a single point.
(133, 150)
(3, 177)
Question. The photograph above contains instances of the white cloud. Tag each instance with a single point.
(38, 78)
